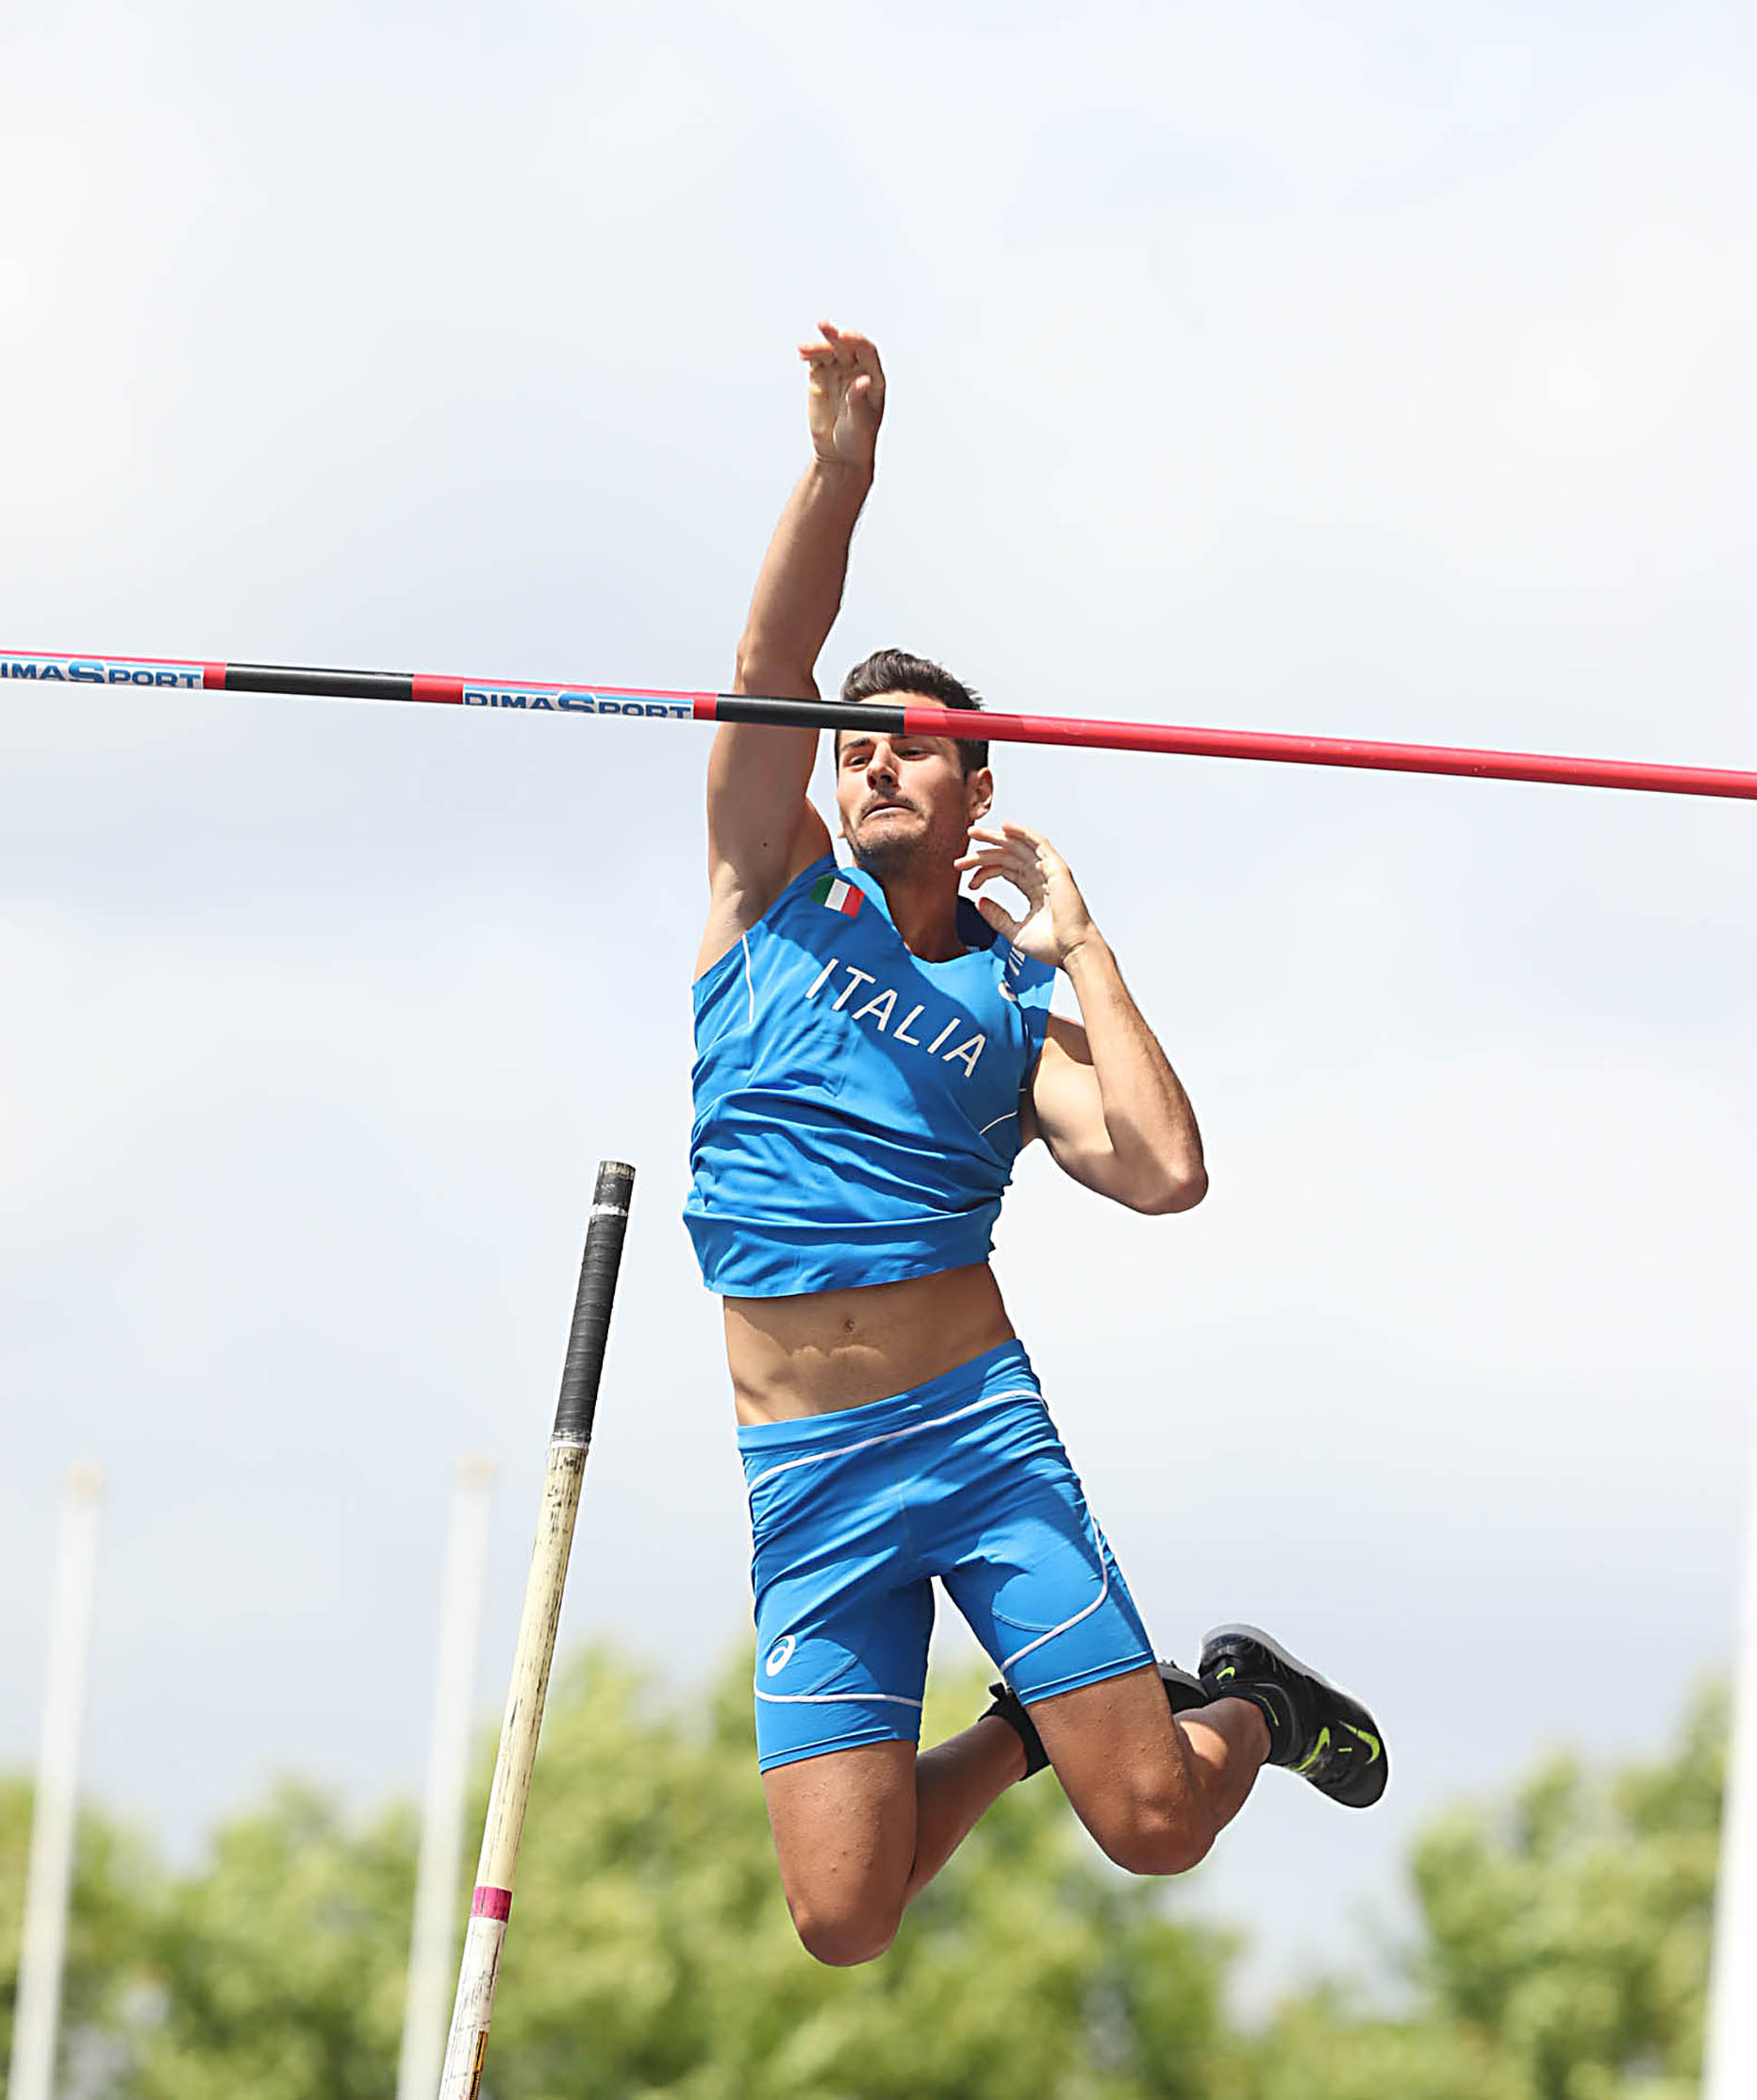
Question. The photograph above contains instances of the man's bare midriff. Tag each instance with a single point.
(827, 1350)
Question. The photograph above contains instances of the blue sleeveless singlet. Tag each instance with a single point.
(856, 1109)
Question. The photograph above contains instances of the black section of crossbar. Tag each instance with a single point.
(319, 685)
(816, 714)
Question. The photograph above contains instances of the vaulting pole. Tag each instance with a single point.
(569, 1443)
(54, 1816)
(918, 719)
(433, 1938)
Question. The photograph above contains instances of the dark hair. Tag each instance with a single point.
(894, 671)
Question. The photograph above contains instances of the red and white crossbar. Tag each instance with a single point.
(915, 718)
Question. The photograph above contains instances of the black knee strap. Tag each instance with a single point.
(1010, 1708)
(1183, 1694)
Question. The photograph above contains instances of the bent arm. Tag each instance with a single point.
(1105, 1101)
(1104, 1096)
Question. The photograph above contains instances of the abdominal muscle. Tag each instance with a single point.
(812, 1354)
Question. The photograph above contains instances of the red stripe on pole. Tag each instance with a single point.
(213, 677)
(1331, 751)
(97, 657)
(491, 1903)
(438, 689)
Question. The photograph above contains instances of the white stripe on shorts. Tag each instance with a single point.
(1084, 1612)
(891, 1436)
(834, 1698)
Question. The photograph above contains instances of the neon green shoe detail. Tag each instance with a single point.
(1318, 1749)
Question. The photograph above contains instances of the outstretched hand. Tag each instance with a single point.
(1056, 921)
(845, 399)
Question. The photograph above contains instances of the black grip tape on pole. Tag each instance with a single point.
(592, 1306)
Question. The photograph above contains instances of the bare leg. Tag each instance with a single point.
(1155, 1792)
(858, 1832)
(844, 1831)
(954, 1784)
(1228, 1744)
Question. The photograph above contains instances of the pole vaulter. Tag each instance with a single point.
(915, 718)
(569, 1441)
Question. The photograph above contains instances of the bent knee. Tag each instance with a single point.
(1160, 1844)
(844, 1939)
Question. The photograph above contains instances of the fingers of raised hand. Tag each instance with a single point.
(849, 345)
(1002, 853)
(844, 347)
(846, 382)
(1021, 837)
(1001, 862)
(824, 345)
(1030, 886)
(992, 871)
(1012, 856)
(820, 350)
(857, 358)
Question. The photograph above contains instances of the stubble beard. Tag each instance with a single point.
(885, 857)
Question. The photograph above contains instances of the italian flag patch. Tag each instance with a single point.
(837, 896)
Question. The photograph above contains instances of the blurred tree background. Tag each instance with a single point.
(1562, 1954)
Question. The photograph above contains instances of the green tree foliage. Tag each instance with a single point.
(279, 1966)
(1564, 1953)
(1562, 1956)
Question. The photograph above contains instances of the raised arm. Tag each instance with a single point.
(761, 829)
(1103, 1098)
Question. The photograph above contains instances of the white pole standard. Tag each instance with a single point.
(49, 1876)
(432, 1949)
(1731, 2070)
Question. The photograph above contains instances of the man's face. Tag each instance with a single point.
(906, 800)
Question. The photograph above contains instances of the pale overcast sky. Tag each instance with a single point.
(1363, 370)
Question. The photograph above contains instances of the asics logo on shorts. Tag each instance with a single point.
(779, 1656)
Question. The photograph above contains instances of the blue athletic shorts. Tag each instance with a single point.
(854, 1514)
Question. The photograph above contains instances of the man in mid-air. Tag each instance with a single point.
(873, 1051)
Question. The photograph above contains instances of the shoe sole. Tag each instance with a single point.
(1238, 1629)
